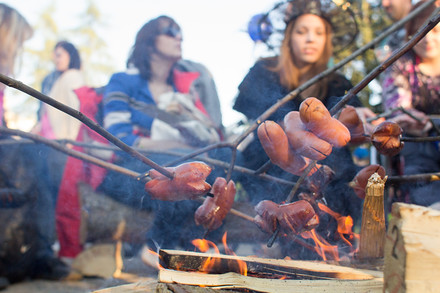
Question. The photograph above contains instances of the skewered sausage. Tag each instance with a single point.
(354, 124)
(294, 217)
(275, 144)
(386, 138)
(188, 182)
(214, 209)
(302, 141)
(318, 120)
(360, 180)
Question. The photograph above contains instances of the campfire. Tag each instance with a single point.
(229, 271)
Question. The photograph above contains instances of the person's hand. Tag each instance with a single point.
(417, 123)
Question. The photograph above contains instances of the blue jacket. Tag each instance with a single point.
(121, 117)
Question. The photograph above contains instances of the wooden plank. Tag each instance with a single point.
(236, 281)
(194, 261)
(412, 250)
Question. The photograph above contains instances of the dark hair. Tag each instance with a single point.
(75, 60)
(144, 45)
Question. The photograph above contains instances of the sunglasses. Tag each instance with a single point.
(171, 31)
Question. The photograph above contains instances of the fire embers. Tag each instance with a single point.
(214, 209)
(386, 138)
(188, 182)
(294, 217)
(360, 181)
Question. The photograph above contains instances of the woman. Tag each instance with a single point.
(305, 51)
(59, 85)
(413, 82)
(154, 81)
(159, 104)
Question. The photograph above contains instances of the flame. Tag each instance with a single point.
(345, 225)
(242, 266)
(204, 245)
(322, 247)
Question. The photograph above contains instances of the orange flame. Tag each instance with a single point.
(345, 225)
(204, 245)
(242, 266)
(322, 247)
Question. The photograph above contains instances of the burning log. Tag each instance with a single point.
(263, 275)
(293, 269)
(372, 237)
(412, 253)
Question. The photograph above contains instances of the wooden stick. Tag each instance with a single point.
(372, 236)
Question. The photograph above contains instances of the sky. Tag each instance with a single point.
(214, 33)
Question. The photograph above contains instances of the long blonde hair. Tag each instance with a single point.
(14, 30)
(286, 68)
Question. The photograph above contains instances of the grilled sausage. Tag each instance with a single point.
(386, 138)
(294, 217)
(360, 180)
(214, 209)
(188, 182)
(354, 124)
(276, 145)
(318, 120)
(303, 141)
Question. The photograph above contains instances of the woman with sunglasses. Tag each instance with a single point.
(144, 107)
(313, 28)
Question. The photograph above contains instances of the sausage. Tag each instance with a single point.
(298, 217)
(188, 182)
(294, 217)
(266, 218)
(318, 120)
(214, 209)
(386, 138)
(302, 141)
(276, 145)
(354, 124)
(313, 113)
(319, 180)
(360, 180)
